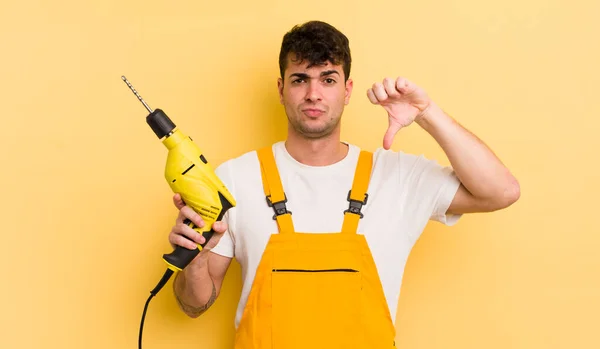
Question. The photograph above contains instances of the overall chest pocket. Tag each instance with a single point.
(316, 306)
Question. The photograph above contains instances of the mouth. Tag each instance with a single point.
(313, 112)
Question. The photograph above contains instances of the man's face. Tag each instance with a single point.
(314, 98)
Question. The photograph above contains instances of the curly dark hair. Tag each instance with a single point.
(317, 42)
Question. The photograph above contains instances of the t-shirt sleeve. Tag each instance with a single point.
(448, 186)
(226, 246)
(433, 186)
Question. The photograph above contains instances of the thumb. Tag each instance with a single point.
(390, 134)
(219, 227)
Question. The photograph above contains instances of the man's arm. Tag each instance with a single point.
(486, 184)
(197, 287)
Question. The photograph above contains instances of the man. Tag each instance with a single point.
(322, 229)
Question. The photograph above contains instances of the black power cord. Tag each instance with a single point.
(153, 293)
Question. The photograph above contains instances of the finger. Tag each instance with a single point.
(192, 233)
(180, 218)
(220, 227)
(185, 236)
(390, 87)
(390, 134)
(193, 216)
(182, 241)
(371, 96)
(402, 84)
(379, 92)
(178, 201)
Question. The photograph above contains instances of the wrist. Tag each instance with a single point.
(194, 289)
(431, 117)
(197, 266)
(423, 117)
(187, 281)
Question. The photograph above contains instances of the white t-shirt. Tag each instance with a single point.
(405, 192)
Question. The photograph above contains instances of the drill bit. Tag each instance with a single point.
(136, 94)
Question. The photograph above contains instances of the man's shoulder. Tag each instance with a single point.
(388, 159)
(381, 155)
(243, 163)
(240, 161)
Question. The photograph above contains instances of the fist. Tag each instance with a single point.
(404, 102)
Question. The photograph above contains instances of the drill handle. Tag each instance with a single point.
(181, 256)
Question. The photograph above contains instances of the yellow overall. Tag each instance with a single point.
(316, 290)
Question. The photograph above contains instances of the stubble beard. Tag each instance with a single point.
(311, 132)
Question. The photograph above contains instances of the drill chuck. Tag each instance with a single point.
(160, 123)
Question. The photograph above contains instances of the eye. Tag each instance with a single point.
(297, 81)
(330, 81)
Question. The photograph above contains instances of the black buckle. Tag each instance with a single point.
(278, 207)
(356, 205)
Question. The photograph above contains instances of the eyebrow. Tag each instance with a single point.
(306, 76)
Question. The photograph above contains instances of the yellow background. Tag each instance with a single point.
(85, 210)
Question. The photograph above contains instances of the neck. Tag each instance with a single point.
(316, 152)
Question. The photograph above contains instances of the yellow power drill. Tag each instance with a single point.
(188, 173)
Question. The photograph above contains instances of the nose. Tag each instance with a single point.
(313, 92)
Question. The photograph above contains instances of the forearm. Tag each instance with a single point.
(475, 165)
(194, 288)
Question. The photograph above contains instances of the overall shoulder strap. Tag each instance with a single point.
(357, 196)
(274, 193)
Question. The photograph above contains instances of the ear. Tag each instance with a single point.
(280, 89)
(349, 85)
